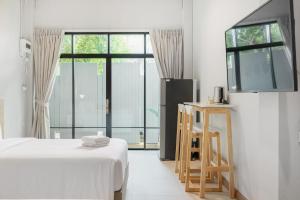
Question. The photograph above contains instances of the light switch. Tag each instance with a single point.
(299, 137)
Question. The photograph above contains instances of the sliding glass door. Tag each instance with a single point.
(90, 96)
(107, 82)
(128, 100)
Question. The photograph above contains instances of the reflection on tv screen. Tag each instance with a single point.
(260, 51)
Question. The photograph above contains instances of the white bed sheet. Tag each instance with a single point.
(60, 169)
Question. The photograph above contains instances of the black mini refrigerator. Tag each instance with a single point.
(173, 92)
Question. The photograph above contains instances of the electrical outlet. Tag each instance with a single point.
(299, 137)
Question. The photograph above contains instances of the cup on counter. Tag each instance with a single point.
(218, 95)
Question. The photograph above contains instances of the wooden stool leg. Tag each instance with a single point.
(230, 155)
(219, 161)
(204, 154)
(183, 150)
(188, 160)
(210, 158)
(179, 127)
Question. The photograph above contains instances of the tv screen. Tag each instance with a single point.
(260, 50)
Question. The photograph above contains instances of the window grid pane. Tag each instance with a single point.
(90, 44)
(126, 44)
(90, 92)
(61, 98)
(128, 92)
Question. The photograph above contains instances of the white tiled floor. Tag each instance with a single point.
(151, 179)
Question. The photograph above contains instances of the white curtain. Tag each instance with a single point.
(168, 52)
(46, 46)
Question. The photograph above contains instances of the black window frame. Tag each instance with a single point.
(108, 56)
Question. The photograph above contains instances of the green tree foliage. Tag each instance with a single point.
(276, 33)
(252, 35)
(92, 44)
(66, 46)
(229, 38)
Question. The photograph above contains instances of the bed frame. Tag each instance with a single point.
(121, 194)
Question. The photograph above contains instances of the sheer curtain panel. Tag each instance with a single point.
(168, 52)
(46, 47)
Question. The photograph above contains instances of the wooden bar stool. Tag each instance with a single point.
(222, 166)
(211, 158)
(197, 135)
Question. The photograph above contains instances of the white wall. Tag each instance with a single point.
(112, 14)
(27, 21)
(12, 74)
(289, 148)
(256, 116)
(188, 38)
(119, 15)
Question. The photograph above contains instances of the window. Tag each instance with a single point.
(107, 82)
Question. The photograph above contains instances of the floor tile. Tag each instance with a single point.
(151, 179)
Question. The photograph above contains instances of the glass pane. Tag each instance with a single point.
(251, 35)
(61, 98)
(231, 71)
(133, 136)
(66, 46)
(90, 43)
(230, 38)
(276, 33)
(152, 94)
(152, 138)
(149, 49)
(127, 92)
(61, 133)
(282, 68)
(256, 65)
(90, 92)
(80, 132)
(127, 43)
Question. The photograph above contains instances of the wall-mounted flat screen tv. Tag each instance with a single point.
(261, 54)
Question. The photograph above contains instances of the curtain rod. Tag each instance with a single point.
(117, 29)
(106, 30)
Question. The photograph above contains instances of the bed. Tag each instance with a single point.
(62, 169)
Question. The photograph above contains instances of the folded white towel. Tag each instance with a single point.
(95, 141)
(94, 145)
(95, 138)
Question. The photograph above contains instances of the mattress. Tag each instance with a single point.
(56, 169)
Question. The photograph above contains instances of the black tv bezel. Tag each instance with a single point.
(294, 54)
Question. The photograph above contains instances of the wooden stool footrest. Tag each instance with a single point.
(206, 190)
(215, 169)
